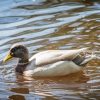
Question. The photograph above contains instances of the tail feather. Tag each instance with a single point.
(78, 59)
(87, 59)
(83, 60)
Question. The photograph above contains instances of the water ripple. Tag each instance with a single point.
(42, 25)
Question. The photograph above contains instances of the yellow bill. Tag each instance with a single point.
(8, 57)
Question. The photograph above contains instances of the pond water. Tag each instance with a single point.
(50, 24)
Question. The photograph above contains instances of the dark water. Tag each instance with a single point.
(50, 24)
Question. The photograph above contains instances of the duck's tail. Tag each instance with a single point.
(88, 59)
(83, 60)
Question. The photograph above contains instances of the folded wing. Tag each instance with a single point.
(51, 56)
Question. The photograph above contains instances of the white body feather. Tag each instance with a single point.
(57, 68)
(49, 55)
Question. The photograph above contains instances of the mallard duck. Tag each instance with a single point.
(47, 63)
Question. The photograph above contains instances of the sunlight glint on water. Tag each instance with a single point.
(42, 25)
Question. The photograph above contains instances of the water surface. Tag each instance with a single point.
(50, 24)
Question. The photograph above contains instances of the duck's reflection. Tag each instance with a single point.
(16, 97)
(45, 87)
(22, 90)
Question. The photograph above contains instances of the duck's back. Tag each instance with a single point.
(51, 56)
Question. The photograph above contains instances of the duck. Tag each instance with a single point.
(48, 63)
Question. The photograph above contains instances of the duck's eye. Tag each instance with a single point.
(13, 50)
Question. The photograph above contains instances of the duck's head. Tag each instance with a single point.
(17, 51)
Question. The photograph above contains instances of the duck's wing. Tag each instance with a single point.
(51, 56)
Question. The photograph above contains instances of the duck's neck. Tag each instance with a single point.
(22, 64)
